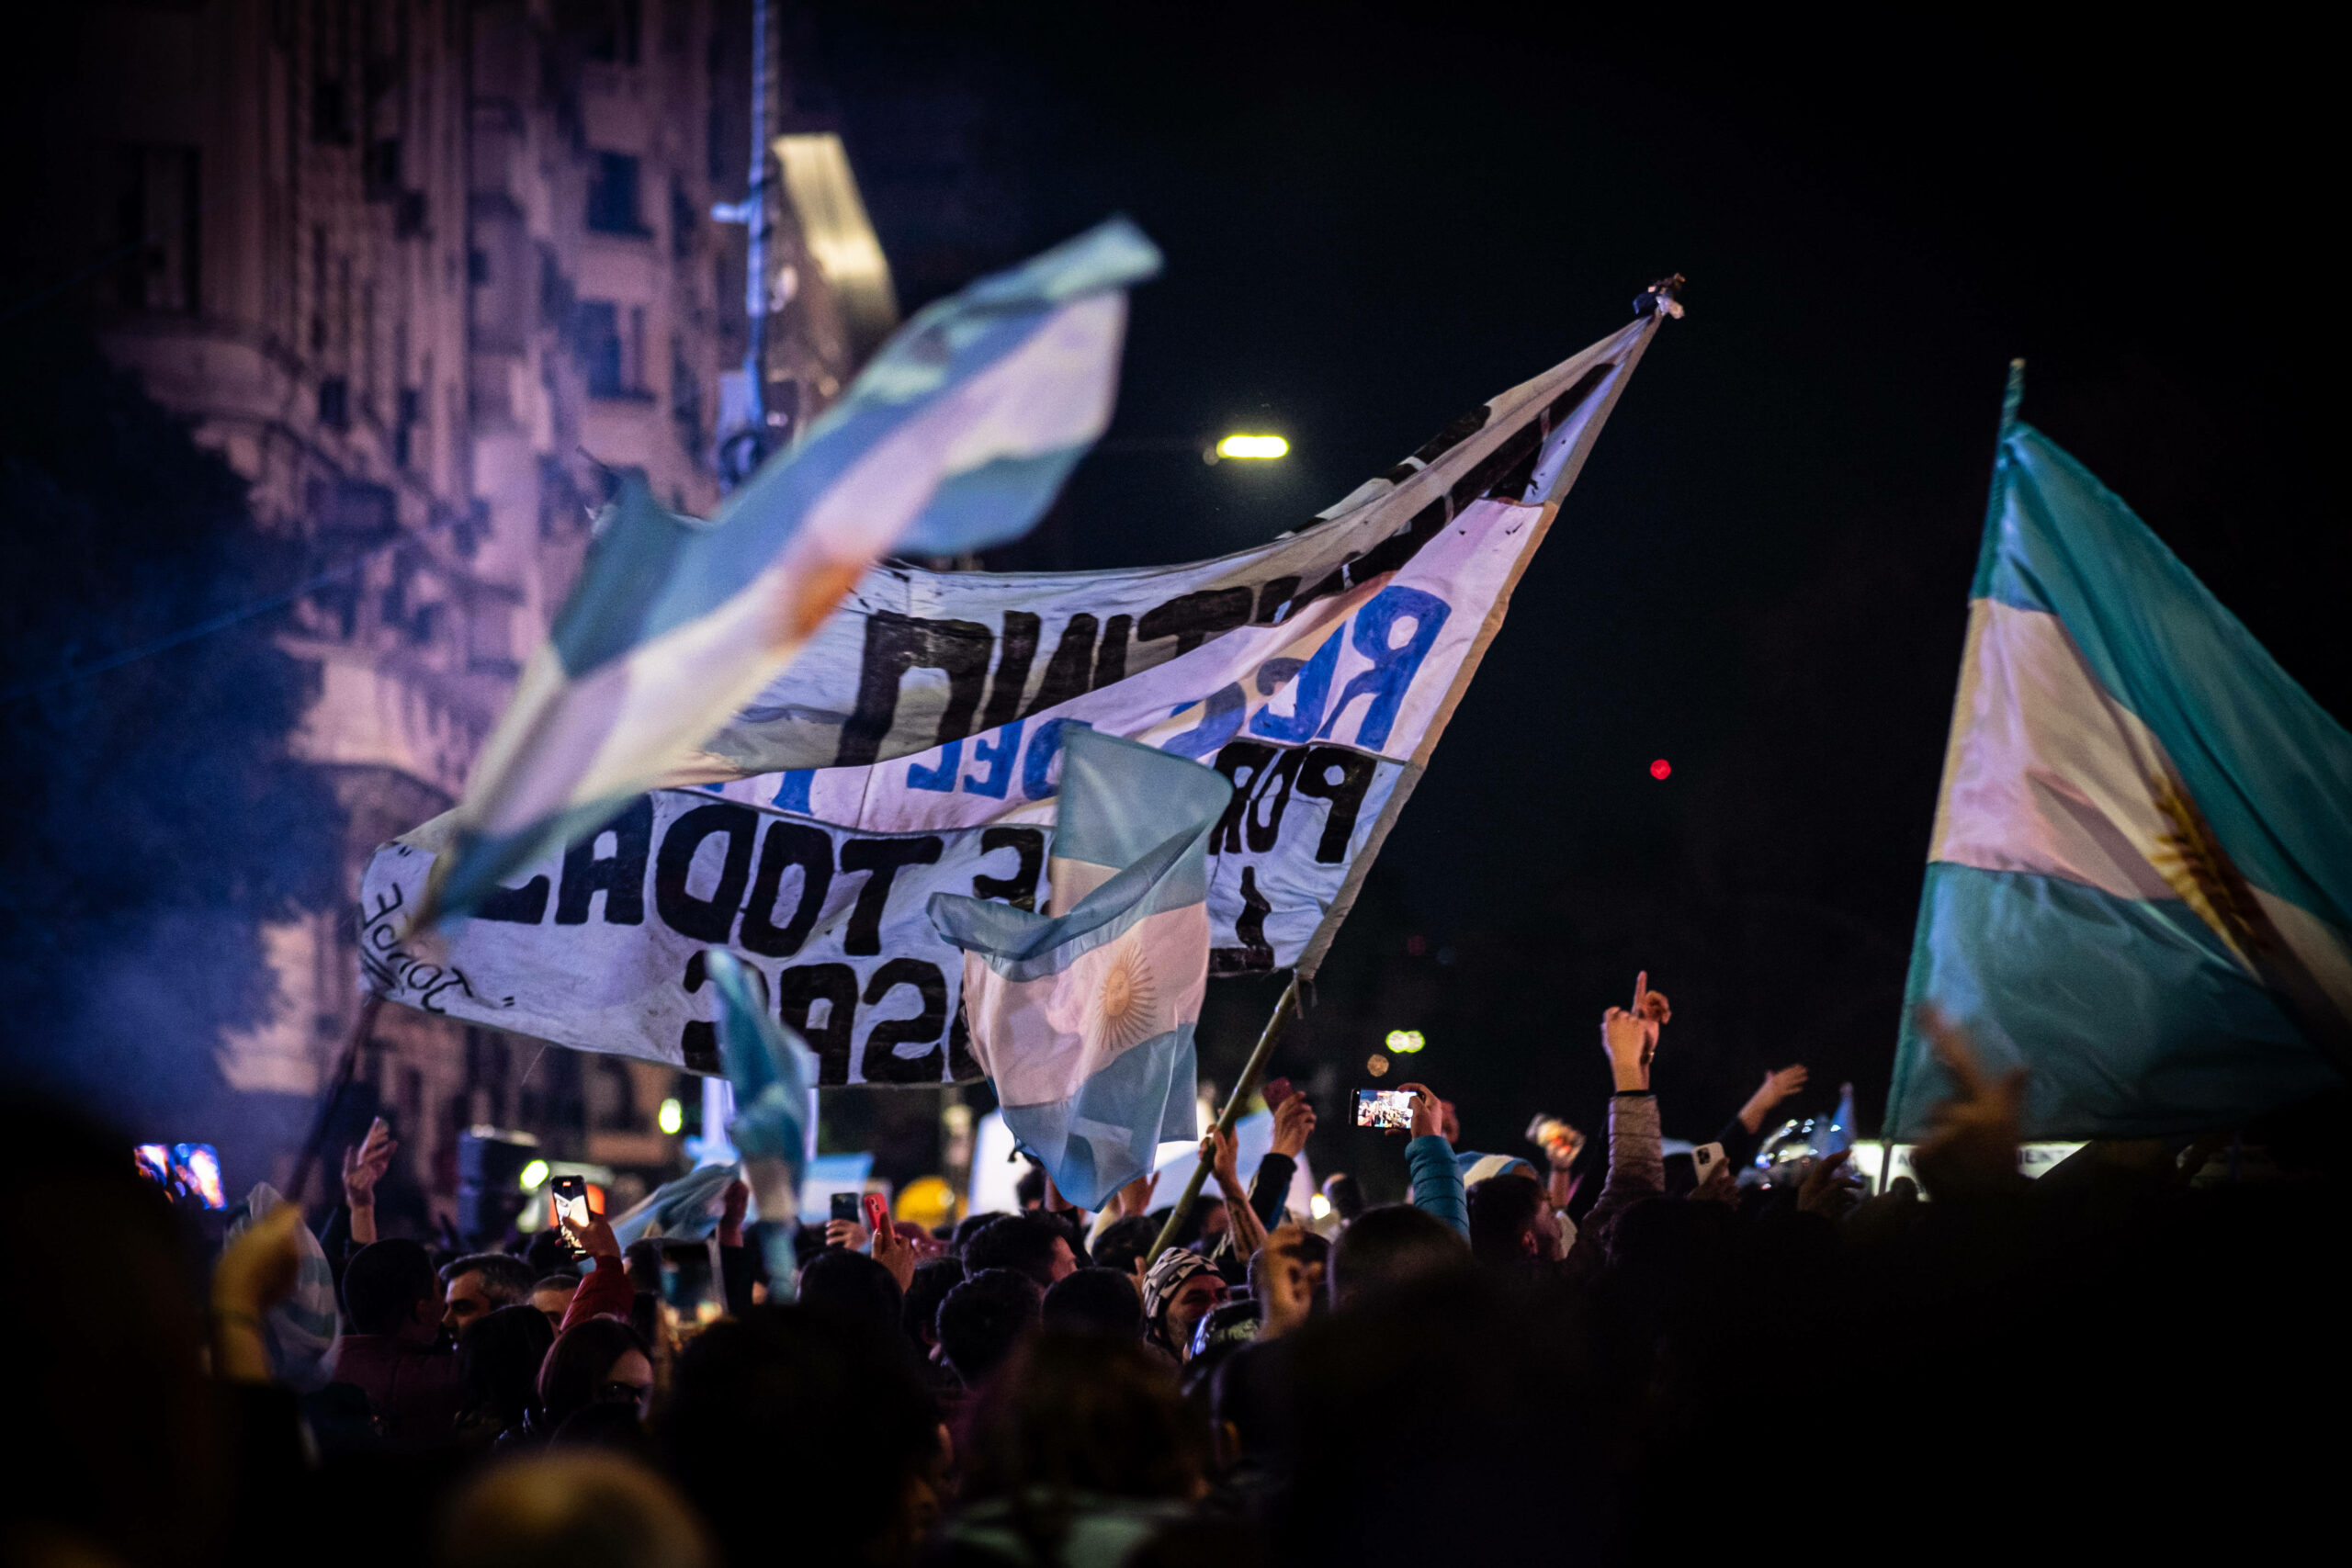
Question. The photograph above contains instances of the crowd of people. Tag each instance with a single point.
(1519, 1364)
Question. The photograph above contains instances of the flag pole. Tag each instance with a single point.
(333, 1095)
(1284, 1008)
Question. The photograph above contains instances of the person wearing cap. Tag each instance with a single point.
(1180, 1289)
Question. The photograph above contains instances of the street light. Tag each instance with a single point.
(1257, 446)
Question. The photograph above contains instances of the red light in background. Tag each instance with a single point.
(1660, 768)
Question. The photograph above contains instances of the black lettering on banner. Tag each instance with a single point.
(1272, 597)
(1111, 663)
(1067, 671)
(1020, 889)
(1341, 776)
(962, 1065)
(787, 844)
(1513, 453)
(1240, 762)
(1255, 955)
(881, 858)
(1265, 826)
(520, 906)
(882, 1061)
(704, 919)
(799, 990)
(1460, 428)
(1016, 650)
(895, 644)
(1193, 618)
(620, 876)
(699, 1042)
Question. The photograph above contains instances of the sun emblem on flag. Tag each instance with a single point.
(1123, 1003)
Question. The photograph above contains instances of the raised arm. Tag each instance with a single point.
(1428, 1160)
(1636, 1164)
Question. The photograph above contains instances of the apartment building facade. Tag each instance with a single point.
(432, 275)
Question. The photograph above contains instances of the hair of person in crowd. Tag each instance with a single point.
(1389, 1245)
(390, 1288)
(802, 1434)
(1076, 1419)
(1511, 1220)
(608, 1424)
(852, 1285)
(934, 1277)
(1313, 1254)
(1250, 1405)
(600, 1359)
(499, 1357)
(983, 1318)
(969, 1226)
(1123, 1243)
(575, 1509)
(1029, 1192)
(552, 1296)
(479, 1283)
(1095, 1301)
(546, 1255)
(1035, 1244)
(1206, 1220)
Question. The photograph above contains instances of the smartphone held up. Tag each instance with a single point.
(1390, 1110)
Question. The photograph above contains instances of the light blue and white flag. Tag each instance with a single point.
(955, 437)
(2139, 885)
(1083, 1018)
(774, 1078)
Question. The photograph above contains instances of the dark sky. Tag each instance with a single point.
(1375, 217)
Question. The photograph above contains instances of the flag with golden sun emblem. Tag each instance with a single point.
(1083, 1015)
(2139, 882)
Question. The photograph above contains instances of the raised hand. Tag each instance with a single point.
(895, 1253)
(362, 1168)
(1828, 1188)
(1223, 1151)
(846, 1233)
(1652, 1009)
(1293, 1124)
(1972, 1140)
(1777, 1085)
(1429, 1110)
(1626, 1038)
(1289, 1297)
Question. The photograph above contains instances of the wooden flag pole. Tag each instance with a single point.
(333, 1095)
(1286, 1006)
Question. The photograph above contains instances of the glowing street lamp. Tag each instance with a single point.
(1405, 1042)
(1253, 446)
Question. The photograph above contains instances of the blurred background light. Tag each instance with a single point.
(1253, 446)
(534, 1174)
(1405, 1042)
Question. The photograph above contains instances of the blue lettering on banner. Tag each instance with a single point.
(1393, 667)
(942, 777)
(999, 757)
(1037, 762)
(792, 790)
(1310, 689)
(1221, 713)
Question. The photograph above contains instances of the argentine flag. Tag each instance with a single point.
(956, 436)
(773, 1075)
(1083, 1019)
(2139, 885)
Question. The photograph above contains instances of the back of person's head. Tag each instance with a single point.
(1025, 1241)
(1390, 1245)
(1195, 1220)
(1082, 1413)
(616, 1428)
(573, 1376)
(546, 1253)
(505, 1280)
(1502, 1210)
(934, 1277)
(1123, 1241)
(1095, 1301)
(384, 1281)
(1030, 1190)
(983, 1318)
(499, 1357)
(98, 1300)
(575, 1509)
(794, 1431)
(971, 1225)
(852, 1285)
(1250, 1400)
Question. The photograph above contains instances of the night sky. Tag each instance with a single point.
(1374, 218)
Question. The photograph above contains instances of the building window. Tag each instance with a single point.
(612, 196)
(612, 349)
(682, 221)
(335, 403)
(157, 204)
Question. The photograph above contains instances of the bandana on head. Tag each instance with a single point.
(1167, 1277)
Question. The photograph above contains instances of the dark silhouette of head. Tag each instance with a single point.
(983, 1318)
(1095, 1301)
(1390, 1245)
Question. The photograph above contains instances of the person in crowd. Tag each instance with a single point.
(599, 1360)
(552, 1295)
(1123, 1243)
(971, 1225)
(1035, 1244)
(1252, 1432)
(801, 1438)
(1081, 1452)
(477, 1285)
(853, 1286)
(499, 1358)
(983, 1318)
(1391, 1245)
(1512, 1222)
(393, 1353)
(606, 1291)
(1740, 1134)
(577, 1508)
(933, 1279)
(1095, 1301)
(1180, 1289)
(1287, 1278)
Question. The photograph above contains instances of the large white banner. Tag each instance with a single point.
(1322, 703)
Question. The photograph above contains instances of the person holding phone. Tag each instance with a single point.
(604, 1289)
